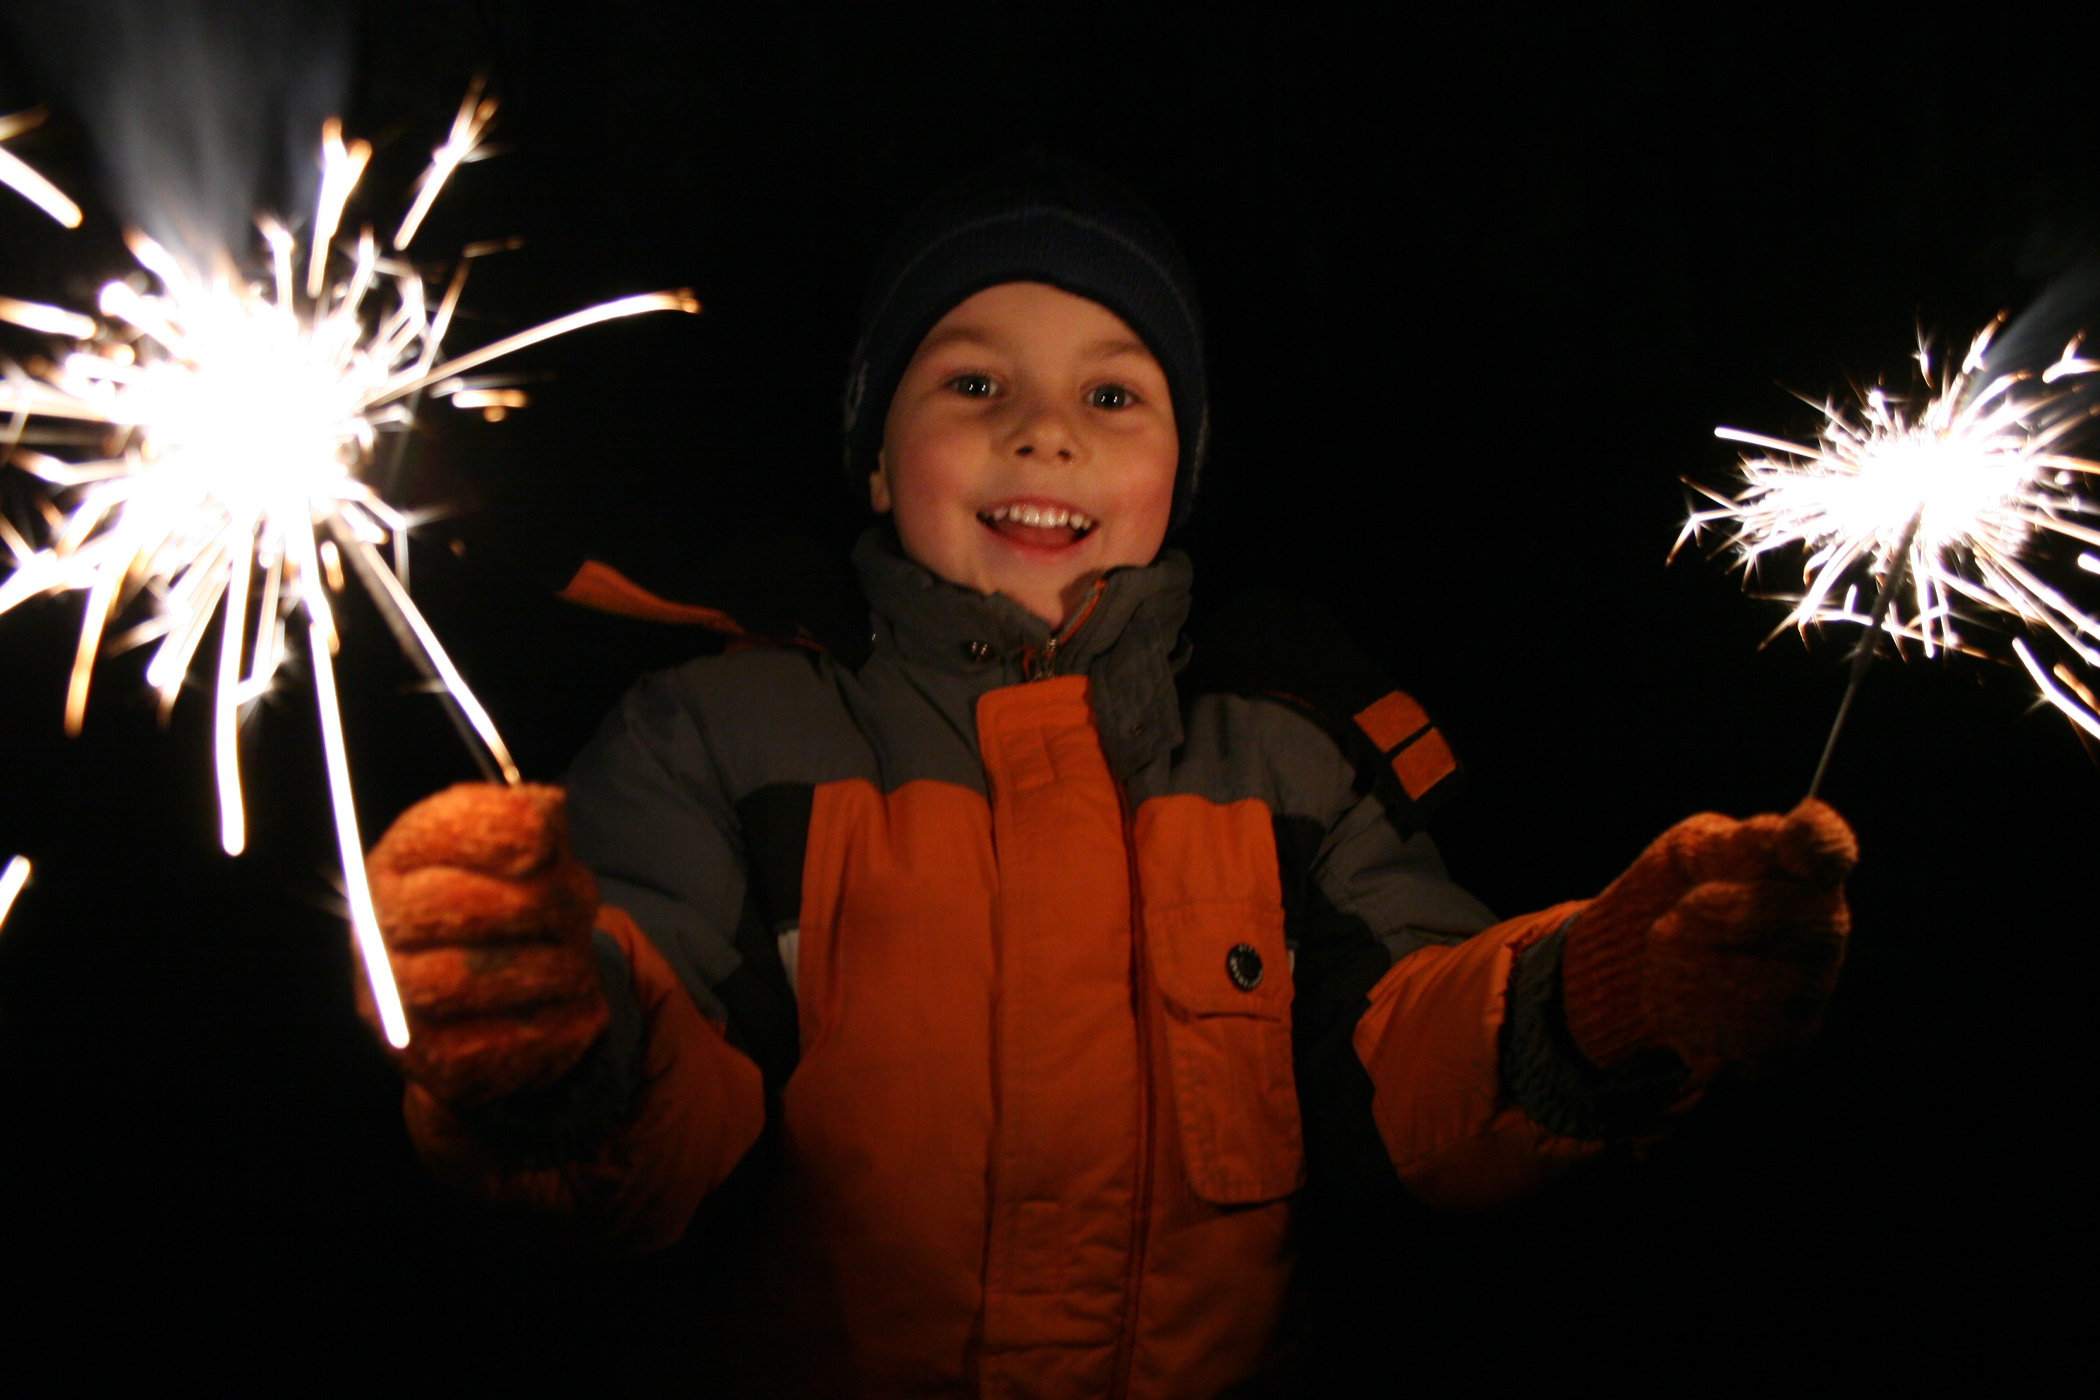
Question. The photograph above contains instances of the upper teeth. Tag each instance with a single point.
(1040, 516)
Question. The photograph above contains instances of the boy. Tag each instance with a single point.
(1005, 928)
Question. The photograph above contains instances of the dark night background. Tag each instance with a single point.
(1479, 287)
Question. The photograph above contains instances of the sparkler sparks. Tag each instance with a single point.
(19, 177)
(238, 417)
(1956, 506)
(12, 879)
(461, 146)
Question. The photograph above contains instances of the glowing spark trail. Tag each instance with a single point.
(17, 175)
(11, 881)
(461, 146)
(1955, 508)
(341, 168)
(238, 418)
(51, 320)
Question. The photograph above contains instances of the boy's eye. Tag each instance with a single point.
(973, 386)
(1110, 396)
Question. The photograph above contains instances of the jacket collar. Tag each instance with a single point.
(1127, 643)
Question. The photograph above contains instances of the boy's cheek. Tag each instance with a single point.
(937, 532)
(926, 491)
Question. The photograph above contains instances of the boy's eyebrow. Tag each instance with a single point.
(941, 339)
(1118, 345)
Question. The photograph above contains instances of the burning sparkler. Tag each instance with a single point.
(1953, 505)
(239, 415)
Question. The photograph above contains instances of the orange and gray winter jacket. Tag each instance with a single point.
(1013, 923)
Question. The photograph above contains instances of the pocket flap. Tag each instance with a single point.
(1221, 957)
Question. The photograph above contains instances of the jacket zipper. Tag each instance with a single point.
(1141, 1218)
(1040, 664)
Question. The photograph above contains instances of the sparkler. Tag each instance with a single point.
(1954, 505)
(239, 415)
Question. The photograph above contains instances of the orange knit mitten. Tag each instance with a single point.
(1721, 943)
(487, 919)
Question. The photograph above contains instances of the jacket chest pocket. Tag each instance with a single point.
(1225, 980)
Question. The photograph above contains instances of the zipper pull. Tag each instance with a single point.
(1040, 665)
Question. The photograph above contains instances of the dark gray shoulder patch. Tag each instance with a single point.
(772, 715)
(1236, 747)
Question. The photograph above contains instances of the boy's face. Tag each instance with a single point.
(1029, 447)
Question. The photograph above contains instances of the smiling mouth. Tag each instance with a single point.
(1043, 526)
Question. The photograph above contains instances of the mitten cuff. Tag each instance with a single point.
(1554, 1082)
(1602, 968)
(567, 1120)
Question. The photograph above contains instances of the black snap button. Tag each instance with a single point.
(977, 651)
(1243, 966)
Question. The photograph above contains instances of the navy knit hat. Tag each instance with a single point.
(1034, 218)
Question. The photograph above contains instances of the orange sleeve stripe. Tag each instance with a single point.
(1389, 720)
(1423, 764)
(606, 589)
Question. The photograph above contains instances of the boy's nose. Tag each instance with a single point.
(1045, 433)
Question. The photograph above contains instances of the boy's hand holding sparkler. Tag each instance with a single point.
(1720, 944)
(487, 919)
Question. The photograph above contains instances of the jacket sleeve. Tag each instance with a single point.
(1456, 1098)
(651, 815)
(1432, 1040)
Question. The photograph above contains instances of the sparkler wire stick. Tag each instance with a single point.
(1869, 643)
